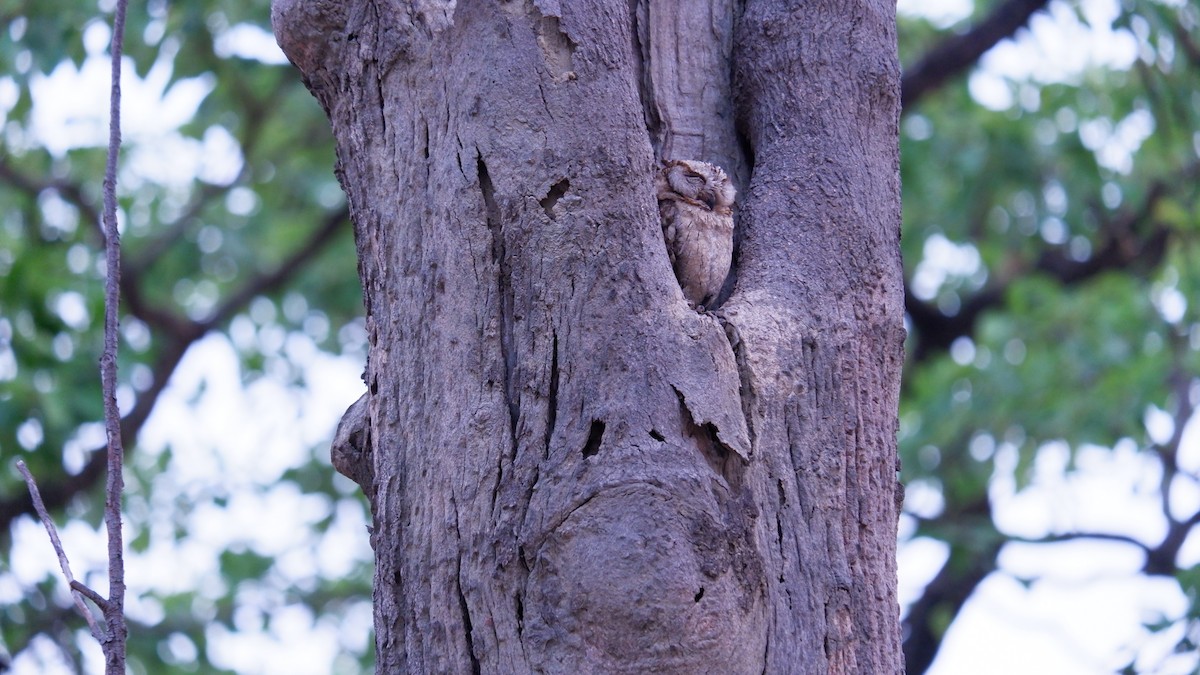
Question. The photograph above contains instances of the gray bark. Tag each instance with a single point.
(569, 469)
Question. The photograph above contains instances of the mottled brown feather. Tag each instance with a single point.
(695, 205)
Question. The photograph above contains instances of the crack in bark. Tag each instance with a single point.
(552, 399)
(792, 419)
(504, 289)
(467, 627)
(746, 145)
(778, 514)
(641, 49)
(555, 193)
(717, 454)
(536, 540)
(425, 143)
(520, 615)
(377, 75)
(594, 439)
(498, 482)
(458, 156)
(545, 103)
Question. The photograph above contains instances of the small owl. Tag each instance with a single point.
(695, 204)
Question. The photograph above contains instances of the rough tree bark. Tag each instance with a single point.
(569, 469)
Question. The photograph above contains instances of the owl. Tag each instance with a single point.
(695, 204)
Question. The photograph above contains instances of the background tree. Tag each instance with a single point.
(1060, 325)
(1047, 235)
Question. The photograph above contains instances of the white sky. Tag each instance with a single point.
(1084, 616)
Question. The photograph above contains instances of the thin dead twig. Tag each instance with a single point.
(78, 589)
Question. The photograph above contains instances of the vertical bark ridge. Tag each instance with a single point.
(817, 100)
(494, 221)
(552, 397)
(468, 626)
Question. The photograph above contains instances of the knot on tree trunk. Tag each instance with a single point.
(641, 578)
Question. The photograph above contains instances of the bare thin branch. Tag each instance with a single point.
(86, 590)
(114, 610)
(77, 588)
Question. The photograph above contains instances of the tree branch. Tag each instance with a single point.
(960, 52)
(1180, 381)
(1162, 559)
(76, 587)
(116, 631)
(946, 594)
(271, 281)
(59, 493)
(72, 192)
(131, 284)
(154, 249)
(1184, 39)
(950, 589)
(1075, 536)
(87, 592)
(1124, 248)
(255, 116)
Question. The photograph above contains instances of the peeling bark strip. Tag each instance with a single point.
(564, 478)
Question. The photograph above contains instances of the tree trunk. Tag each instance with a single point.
(569, 469)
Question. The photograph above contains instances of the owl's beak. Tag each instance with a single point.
(711, 201)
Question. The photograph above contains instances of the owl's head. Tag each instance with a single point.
(698, 183)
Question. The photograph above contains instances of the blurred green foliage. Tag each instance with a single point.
(199, 252)
(1069, 216)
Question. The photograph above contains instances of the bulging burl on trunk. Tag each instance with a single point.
(350, 451)
(695, 204)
